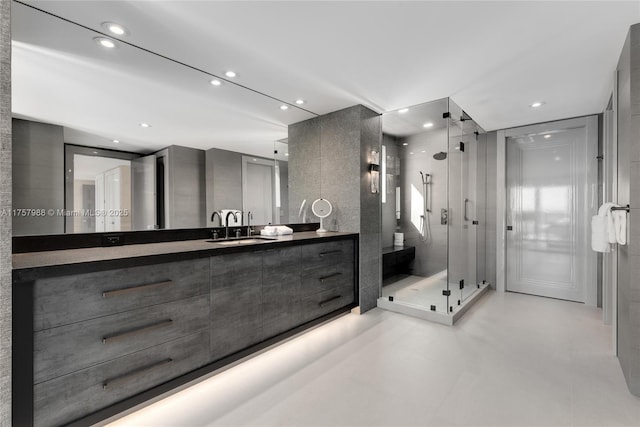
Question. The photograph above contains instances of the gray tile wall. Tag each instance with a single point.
(389, 208)
(370, 213)
(304, 168)
(187, 194)
(38, 160)
(5, 220)
(628, 191)
(340, 167)
(223, 181)
(329, 157)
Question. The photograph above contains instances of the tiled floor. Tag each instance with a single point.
(513, 360)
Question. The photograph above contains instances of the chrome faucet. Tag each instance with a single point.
(213, 217)
(226, 223)
(249, 217)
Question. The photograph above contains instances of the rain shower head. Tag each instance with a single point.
(440, 156)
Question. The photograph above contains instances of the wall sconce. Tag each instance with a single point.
(374, 171)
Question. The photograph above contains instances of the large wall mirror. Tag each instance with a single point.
(120, 138)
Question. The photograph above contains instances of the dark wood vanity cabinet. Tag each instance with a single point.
(101, 341)
(236, 302)
(280, 290)
(101, 337)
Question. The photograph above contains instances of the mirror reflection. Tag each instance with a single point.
(119, 139)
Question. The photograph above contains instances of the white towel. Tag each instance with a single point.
(276, 230)
(617, 226)
(600, 236)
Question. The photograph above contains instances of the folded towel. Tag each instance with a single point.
(599, 234)
(617, 225)
(276, 230)
(602, 229)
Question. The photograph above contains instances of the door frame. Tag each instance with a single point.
(591, 125)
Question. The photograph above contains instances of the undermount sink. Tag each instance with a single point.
(241, 240)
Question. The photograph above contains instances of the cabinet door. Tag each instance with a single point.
(236, 302)
(281, 290)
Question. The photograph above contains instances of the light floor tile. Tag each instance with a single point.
(512, 360)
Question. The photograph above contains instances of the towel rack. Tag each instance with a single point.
(621, 208)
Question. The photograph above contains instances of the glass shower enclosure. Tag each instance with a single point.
(433, 177)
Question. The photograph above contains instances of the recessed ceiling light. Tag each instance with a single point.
(427, 125)
(255, 160)
(114, 28)
(215, 82)
(537, 104)
(547, 136)
(403, 110)
(95, 152)
(115, 141)
(424, 151)
(411, 152)
(556, 158)
(286, 154)
(230, 74)
(145, 125)
(284, 107)
(299, 101)
(105, 42)
(405, 143)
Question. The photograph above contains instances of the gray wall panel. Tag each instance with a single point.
(329, 157)
(5, 206)
(629, 255)
(224, 181)
(38, 176)
(186, 188)
(304, 169)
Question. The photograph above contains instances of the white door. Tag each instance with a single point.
(551, 196)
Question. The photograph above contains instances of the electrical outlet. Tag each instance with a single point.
(113, 240)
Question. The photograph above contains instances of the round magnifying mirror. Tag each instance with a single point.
(322, 209)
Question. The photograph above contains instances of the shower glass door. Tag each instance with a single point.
(414, 206)
(464, 206)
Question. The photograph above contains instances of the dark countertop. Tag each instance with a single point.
(392, 249)
(27, 266)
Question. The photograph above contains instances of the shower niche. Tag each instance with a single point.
(433, 179)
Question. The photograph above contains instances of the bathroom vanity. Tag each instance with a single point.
(100, 330)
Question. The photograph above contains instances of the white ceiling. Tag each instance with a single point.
(492, 58)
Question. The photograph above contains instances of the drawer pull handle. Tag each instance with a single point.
(337, 251)
(124, 291)
(327, 301)
(117, 337)
(134, 374)
(322, 279)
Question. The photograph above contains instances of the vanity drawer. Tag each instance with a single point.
(72, 396)
(326, 254)
(321, 303)
(68, 299)
(69, 348)
(322, 278)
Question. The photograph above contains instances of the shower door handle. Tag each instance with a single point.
(466, 202)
